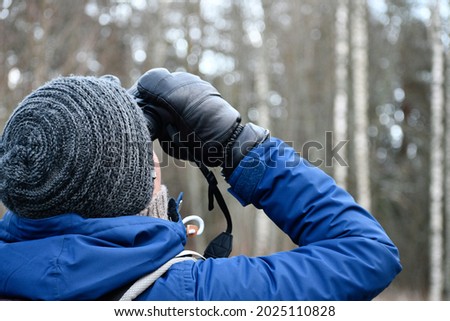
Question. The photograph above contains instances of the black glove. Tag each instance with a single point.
(192, 121)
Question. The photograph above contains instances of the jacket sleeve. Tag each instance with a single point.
(343, 253)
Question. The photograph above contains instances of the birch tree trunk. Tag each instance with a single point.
(157, 28)
(341, 96)
(264, 241)
(361, 101)
(437, 157)
(447, 174)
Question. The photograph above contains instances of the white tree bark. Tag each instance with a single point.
(159, 54)
(447, 173)
(437, 157)
(361, 102)
(341, 78)
(264, 241)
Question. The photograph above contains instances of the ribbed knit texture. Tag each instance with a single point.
(79, 145)
(159, 205)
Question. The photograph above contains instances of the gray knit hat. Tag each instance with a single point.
(76, 145)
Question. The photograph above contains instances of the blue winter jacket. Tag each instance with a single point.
(343, 253)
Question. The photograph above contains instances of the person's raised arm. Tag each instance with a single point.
(343, 251)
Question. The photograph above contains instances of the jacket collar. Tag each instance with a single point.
(68, 257)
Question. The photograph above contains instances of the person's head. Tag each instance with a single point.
(76, 145)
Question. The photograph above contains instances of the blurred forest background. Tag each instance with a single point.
(360, 88)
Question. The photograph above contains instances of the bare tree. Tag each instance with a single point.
(361, 102)
(437, 156)
(263, 241)
(341, 77)
(264, 226)
(447, 172)
(296, 50)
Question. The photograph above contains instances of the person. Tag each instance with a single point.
(87, 216)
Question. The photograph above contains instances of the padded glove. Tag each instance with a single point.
(192, 121)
